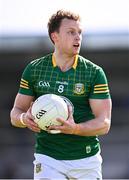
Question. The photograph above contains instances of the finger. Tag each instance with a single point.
(33, 126)
(70, 111)
(62, 121)
(31, 123)
(29, 115)
(56, 128)
(35, 129)
(54, 131)
(53, 127)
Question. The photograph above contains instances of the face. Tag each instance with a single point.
(68, 39)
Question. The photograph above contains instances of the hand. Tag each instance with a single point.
(29, 121)
(68, 126)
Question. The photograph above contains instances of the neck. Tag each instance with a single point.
(64, 62)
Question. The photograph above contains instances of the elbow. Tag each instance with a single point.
(106, 130)
(106, 126)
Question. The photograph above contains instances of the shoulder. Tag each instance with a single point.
(35, 67)
(88, 63)
(42, 60)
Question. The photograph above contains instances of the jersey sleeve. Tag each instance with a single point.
(100, 88)
(26, 85)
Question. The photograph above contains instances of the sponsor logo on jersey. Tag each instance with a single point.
(79, 88)
(38, 168)
(88, 149)
(62, 82)
(44, 84)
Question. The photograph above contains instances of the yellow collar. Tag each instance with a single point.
(74, 65)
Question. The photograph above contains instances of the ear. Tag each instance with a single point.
(54, 36)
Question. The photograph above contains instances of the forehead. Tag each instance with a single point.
(70, 24)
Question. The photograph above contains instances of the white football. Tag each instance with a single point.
(47, 108)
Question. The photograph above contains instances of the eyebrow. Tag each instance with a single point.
(72, 28)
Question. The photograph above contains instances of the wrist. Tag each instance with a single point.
(76, 130)
(22, 120)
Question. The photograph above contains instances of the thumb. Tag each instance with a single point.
(70, 111)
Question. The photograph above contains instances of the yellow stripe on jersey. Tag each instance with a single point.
(101, 88)
(24, 81)
(24, 84)
(95, 92)
(75, 62)
(100, 85)
(53, 61)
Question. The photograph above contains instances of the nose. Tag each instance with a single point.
(78, 36)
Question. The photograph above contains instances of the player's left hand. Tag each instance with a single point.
(68, 126)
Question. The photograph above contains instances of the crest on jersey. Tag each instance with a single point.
(79, 88)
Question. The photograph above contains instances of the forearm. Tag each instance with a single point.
(15, 117)
(93, 127)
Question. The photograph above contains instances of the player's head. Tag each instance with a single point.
(57, 18)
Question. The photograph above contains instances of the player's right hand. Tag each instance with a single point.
(29, 121)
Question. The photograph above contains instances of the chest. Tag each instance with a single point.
(71, 83)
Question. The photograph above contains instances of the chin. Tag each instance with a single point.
(76, 53)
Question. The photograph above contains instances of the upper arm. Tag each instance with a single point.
(23, 102)
(101, 107)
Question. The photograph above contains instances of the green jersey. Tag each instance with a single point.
(84, 81)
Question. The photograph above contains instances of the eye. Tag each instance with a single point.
(71, 32)
(80, 32)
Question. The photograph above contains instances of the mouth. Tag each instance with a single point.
(77, 45)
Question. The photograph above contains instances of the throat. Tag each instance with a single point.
(65, 68)
(63, 63)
